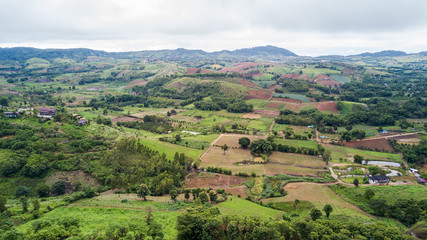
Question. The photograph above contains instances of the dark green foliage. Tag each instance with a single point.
(174, 194)
(356, 182)
(36, 166)
(208, 223)
(328, 209)
(358, 159)
(244, 142)
(22, 191)
(315, 214)
(143, 191)
(3, 201)
(261, 146)
(151, 123)
(369, 194)
(43, 190)
(203, 196)
(58, 188)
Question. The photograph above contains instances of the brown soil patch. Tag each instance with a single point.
(327, 107)
(273, 105)
(247, 83)
(71, 177)
(125, 119)
(258, 94)
(213, 180)
(137, 82)
(273, 87)
(290, 100)
(409, 141)
(326, 80)
(252, 116)
(381, 144)
(268, 113)
(198, 70)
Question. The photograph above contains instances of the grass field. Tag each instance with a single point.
(169, 149)
(241, 207)
(292, 96)
(299, 160)
(341, 79)
(344, 152)
(320, 195)
(297, 143)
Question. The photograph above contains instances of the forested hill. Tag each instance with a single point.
(265, 53)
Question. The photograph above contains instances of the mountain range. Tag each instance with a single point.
(262, 53)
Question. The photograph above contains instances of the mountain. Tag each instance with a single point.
(386, 53)
(262, 53)
(25, 53)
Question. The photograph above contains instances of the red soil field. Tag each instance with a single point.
(260, 94)
(268, 113)
(194, 70)
(271, 88)
(287, 100)
(240, 67)
(247, 83)
(326, 80)
(348, 71)
(327, 107)
(273, 105)
(381, 144)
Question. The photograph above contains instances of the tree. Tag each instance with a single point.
(43, 190)
(3, 201)
(22, 191)
(24, 202)
(224, 147)
(244, 142)
(369, 194)
(143, 191)
(348, 128)
(358, 159)
(177, 137)
(328, 209)
(326, 156)
(203, 197)
(375, 170)
(261, 146)
(36, 205)
(295, 204)
(195, 192)
(356, 182)
(213, 196)
(187, 194)
(174, 194)
(58, 188)
(315, 214)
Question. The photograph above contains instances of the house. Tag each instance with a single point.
(413, 170)
(82, 122)
(46, 112)
(377, 179)
(11, 114)
(422, 181)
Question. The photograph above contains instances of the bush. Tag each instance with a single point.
(43, 190)
(22, 191)
(58, 188)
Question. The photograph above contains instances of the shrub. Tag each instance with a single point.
(22, 191)
(58, 188)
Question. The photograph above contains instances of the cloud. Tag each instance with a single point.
(308, 26)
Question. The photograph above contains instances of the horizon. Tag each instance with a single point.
(207, 51)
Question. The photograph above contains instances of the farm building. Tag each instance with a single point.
(46, 112)
(413, 170)
(378, 179)
(11, 114)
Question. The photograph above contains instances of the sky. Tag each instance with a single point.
(306, 27)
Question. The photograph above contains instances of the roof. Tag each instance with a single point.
(378, 178)
(422, 180)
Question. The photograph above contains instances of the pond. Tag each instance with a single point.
(393, 164)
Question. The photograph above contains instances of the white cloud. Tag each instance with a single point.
(308, 27)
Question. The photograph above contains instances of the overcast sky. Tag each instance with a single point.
(306, 27)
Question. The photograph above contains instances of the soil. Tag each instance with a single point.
(268, 113)
(381, 144)
(252, 116)
(213, 180)
(125, 119)
(327, 106)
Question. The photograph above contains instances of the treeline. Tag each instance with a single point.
(379, 112)
(151, 123)
(234, 105)
(412, 153)
(208, 223)
(131, 163)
